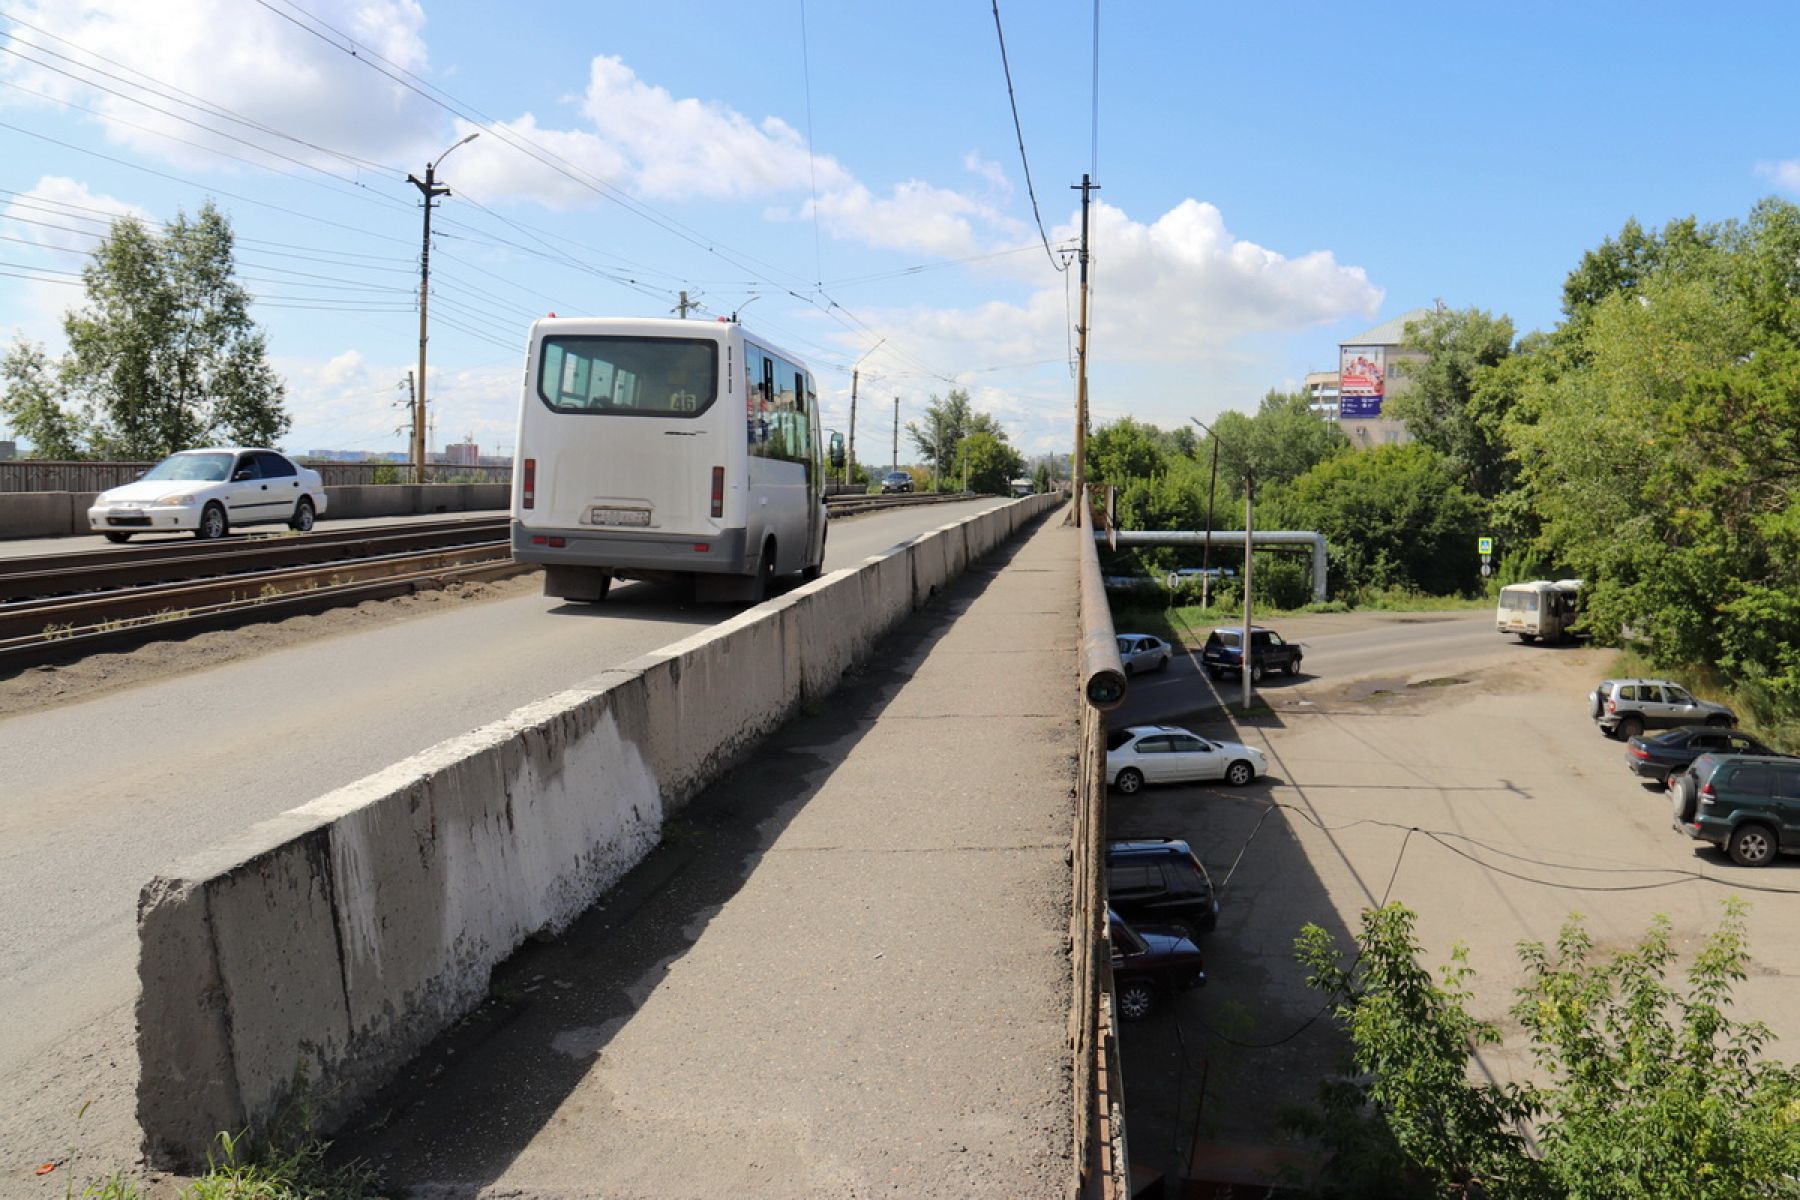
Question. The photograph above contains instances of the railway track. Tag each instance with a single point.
(58, 607)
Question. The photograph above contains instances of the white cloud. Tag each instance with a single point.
(990, 171)
(253, 63)
(346, 403)
(1785, 175)
(915, 216)
(43, 215)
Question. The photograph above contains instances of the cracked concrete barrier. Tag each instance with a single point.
(323, 949)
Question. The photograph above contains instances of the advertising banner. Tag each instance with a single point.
(1362, 380)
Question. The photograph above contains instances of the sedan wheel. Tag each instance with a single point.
(302, 520)
(1239, 773)
(1137, 1000)
(1752, 846)
(1630, 727)
(212, 523)
(1130, 781)
(118, 539)
(1256, 672)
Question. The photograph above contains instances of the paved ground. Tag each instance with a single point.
(98, 794)
(21, 547)
(845, 972)
(1538, 819)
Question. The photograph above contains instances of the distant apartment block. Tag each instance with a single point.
(1357, 394)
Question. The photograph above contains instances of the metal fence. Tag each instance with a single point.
(43, 475)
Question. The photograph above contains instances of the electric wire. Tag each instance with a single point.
(1019, 130)
(812, 168)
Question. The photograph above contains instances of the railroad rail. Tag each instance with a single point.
(57, 607)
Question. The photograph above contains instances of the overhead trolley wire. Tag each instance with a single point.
(1019, 130)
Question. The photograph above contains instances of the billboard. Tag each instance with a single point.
(1362, 380)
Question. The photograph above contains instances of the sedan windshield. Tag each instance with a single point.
(199, 468)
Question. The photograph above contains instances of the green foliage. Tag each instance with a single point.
(1125, 451)
(988, 463)
(1041, 481)
(1283, 582)
(1283, 441)
(1450, 405)
(386, 473)
(164, 356)
(1393, 516)
(32, 406)
(1652, 1091)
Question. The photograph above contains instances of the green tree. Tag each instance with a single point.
(32, 406)
(1283, 440)
(1445, 405)
(1041, 481)
(1393, 517)
(947, 422)
(1124, 450)
(1652, 1090)
(989, 463)
(165, 354)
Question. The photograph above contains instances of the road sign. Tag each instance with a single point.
(1484, 546)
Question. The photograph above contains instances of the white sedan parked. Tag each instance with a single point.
(209, 491)
(1140, 652)
(1168, 754)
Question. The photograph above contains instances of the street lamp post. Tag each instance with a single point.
(428, 187)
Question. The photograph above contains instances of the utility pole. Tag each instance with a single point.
(1081, 351)
(429, 189)
(1249, 539)
(896, 465)
(850, 457)
(684, 304)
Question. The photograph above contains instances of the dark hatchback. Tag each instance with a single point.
(896, 481)
(1150, 963)
(1659, 755)
(1160, 880)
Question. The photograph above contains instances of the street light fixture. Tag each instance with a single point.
(428, 187)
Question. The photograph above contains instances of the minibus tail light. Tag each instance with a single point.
(718, 492)
(530, 488)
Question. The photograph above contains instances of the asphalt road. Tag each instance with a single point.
(1338, 646)
(99, 795)
(25, 547)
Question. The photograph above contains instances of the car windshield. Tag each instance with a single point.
(199, 468)
(1117, 738)
(898, 477)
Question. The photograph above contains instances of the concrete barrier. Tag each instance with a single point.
(62, 514)
(325, 948)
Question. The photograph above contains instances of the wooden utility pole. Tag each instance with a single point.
(896, 465)
(429, 189)
(1081, 351)
(850, 456)
(1249, 542)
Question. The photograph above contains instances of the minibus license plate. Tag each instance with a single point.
(619, 516)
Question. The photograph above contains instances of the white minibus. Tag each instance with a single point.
(1543, 609)
(658, 449)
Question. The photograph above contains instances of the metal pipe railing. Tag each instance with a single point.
(1102, 674)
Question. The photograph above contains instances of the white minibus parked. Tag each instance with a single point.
(1542, 609)
(656, 449)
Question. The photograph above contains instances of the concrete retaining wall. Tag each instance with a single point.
(334, 942)
(61, 514)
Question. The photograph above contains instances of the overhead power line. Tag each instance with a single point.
(1018, 129)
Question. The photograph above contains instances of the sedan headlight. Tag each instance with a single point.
(177, 499)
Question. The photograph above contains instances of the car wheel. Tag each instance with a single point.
(1682, 793)
(1718, 721)
(817, 569)
(765, 575)
(212, 523)
(1293, 668)
(1752, 845)
(1137, 1000)
(1630, 727)
(1528, 638)
(1239, 773)
(1256, 672)
(118, 539)
(1164, 665)
(1130, 781)
(1128, 671)
(302, 520)
(1215, 672)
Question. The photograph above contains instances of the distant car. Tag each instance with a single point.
(209, 492)
(1140, 652)
(1168, 754)
(896, 481)
(1149, 963)
(1160, 880)
(1657, 756)
(1626, 707)
(1223, 653)
(1748, 806)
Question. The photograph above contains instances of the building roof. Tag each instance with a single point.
(1388, 333)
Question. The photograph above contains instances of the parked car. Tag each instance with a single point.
(1141, 652)
(1160, 880)
(896, 481)
(1747, 805)
(1224, 652)
(1150, 963)
(1657, 756)
(1169, 754)
(209, 492)
(1626, 707)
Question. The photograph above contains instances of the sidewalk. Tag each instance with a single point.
(844, 973)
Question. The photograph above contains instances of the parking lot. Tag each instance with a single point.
(1482, 797)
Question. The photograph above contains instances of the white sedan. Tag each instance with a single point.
(208, 492)
(1168, 754)
(1141, 652)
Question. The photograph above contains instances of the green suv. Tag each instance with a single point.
(1746, 804)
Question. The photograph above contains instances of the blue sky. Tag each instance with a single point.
(1274, 178)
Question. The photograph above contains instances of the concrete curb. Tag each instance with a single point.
(64, 514)
(324, 948)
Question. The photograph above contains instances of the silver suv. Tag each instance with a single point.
(1624, 708)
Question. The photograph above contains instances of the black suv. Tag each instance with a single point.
(1224, 652)
(1160, 880)
(1748, 805)
(1148, 963)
